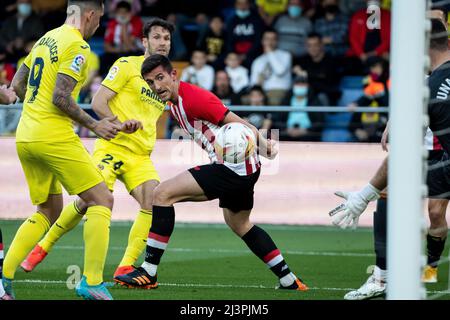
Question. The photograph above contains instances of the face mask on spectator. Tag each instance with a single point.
(242, 13)
(300, 91)
(123, 19)
(24, 9)
(295, 11)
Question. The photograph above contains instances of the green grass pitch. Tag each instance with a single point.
(207, 261)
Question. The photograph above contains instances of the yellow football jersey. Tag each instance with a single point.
(134, 100)
(273, 7)
(61, 50)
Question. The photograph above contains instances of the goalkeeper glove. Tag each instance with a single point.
(347, 214)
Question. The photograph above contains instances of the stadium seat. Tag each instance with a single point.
(96, 44)
(336, 125)
(336, 128)
(352, 89)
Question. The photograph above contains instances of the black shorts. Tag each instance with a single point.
(438, 176)
(235, 192)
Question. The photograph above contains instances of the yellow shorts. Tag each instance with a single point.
(117, 162)
(47, 165)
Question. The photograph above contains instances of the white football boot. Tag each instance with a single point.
(372, 288)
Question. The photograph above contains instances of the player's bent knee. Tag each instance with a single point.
(436, 216)
(162, 196)
(98, 197)
(239, 226)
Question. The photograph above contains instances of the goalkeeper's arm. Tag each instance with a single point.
(347, 214)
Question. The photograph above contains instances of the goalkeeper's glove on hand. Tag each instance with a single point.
(347, 214)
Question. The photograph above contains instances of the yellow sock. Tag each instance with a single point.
(137, 240)
(69, 219)
(96, 240)
(28, 235)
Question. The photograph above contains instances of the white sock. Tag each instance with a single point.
(150, 268)
(2, 291)
(288, 279)
(380, 274)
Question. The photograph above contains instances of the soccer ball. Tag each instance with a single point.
(234, 142)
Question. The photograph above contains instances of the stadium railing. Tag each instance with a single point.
(9, 120)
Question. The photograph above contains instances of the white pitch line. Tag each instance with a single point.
(217, 285)
(302, 253)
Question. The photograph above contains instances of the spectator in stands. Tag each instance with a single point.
(123, 36)
(257, 97)
(52, 13)
(320, 69)
(7, 9)
(136, 6)
(199, 73)
(269, 10)
(156, 8)
(7, 71)
(28, 46)
(237, 73)
(213, 42)
(17, 30)
(303, 126)
(293, 29)
(244, 30)
(333, 27)
(349, 7)
(271, 70)
(178, 51)
(365, 42)
(368, 127)
(222, 89)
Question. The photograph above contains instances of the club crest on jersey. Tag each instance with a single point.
(112, 73)
(78, 63)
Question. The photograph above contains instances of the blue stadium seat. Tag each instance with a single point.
(337, 135)
(96, 44)
(336, 128)
(352, 89)
(336, 125)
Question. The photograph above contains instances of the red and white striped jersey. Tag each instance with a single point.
(431, 141)
(200, 113)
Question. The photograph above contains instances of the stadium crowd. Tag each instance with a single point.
(248, 52)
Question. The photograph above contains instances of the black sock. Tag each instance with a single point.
(163, 223)
(379, 233)
(262, 245)
(435, 247)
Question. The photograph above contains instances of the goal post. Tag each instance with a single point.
(408, 98)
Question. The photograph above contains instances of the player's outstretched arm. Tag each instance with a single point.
(19, 82)
(100, 105)
(62, 98)
(267, 148)
(347, 214)
(100, 102)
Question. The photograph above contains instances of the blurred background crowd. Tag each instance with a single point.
(248, 52)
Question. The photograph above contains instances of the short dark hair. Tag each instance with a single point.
(97, 3)
(123, 5)
(157, 22)
(315, 35)
(439, 36)
(154, 61)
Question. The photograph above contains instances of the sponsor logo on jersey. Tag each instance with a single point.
(112, 73)
(77, 63)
